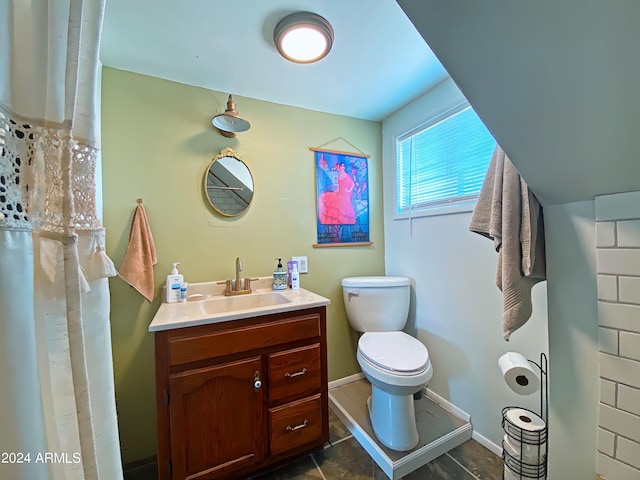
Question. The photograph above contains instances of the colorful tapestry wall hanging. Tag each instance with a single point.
(342, 198)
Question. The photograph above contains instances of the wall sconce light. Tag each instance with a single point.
(303, 37)
(229, 123)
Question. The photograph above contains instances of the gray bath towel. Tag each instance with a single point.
(509, 213)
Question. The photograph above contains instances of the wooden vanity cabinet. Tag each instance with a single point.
(241, 397)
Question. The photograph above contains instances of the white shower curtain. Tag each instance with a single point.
(57, 402)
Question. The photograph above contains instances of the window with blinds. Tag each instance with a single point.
(443, 163)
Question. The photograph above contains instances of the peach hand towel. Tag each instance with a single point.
(508, 213)
(137, 267)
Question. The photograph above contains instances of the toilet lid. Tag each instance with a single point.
(395, 351)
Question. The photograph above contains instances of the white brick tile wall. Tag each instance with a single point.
(606, 442)
(608, 340)
(608, 392)
(617, 315)
(622, 206)
(620, 370)
(618, 255)
(629, 399)
(608, 287)
(628, 451)
(619, 422)
(630, 345)
(611, 469)
(629, 289)
(605, 234)
(628, 233)
(625, 261)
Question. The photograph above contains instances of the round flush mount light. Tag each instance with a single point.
(303, 37)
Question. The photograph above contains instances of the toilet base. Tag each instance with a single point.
(393, 418)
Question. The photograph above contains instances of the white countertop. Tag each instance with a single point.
(195, 312)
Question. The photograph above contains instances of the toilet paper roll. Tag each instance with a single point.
(518, 373)
(511, 475)
(525, 426)
(524, 452)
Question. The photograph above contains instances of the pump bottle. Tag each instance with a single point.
(295, 277)
(172, 287)
(279, 277)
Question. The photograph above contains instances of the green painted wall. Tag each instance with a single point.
(157, 142)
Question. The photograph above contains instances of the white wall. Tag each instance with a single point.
(456, 307)
(573, 340)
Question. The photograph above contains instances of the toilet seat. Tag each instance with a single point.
(394, 352)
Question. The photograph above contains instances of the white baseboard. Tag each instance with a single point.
(344, 380)
(485, 442)
(447, 405)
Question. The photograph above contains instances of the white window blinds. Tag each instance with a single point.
(444, 163)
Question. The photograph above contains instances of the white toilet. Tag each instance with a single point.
(396, 364)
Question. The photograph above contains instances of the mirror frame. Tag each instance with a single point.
(224, 153)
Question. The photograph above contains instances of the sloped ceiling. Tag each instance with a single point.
(557, 82)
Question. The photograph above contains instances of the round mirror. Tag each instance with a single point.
(228, 184)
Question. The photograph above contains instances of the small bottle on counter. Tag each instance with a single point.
(295, 277)
(183, 292)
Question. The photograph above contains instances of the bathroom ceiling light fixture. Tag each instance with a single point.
(303, 37)
(229, 123)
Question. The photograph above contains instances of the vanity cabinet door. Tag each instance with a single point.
(217, 417)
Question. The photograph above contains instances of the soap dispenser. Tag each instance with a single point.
(279, 277)
(172, 287)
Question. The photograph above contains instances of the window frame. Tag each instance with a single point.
(436, 209)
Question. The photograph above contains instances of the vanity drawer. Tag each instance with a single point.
(295, 424)
(185, 349)
(294, 372)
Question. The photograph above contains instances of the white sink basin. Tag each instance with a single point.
(207, 304)
(243, 302)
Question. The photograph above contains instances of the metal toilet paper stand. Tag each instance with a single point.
(531, 444)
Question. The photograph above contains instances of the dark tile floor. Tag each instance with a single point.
(344, 458)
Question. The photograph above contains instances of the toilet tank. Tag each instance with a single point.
(377, 303)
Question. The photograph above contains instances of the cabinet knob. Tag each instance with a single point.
(257, 383)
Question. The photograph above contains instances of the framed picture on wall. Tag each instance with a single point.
(342, 198)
